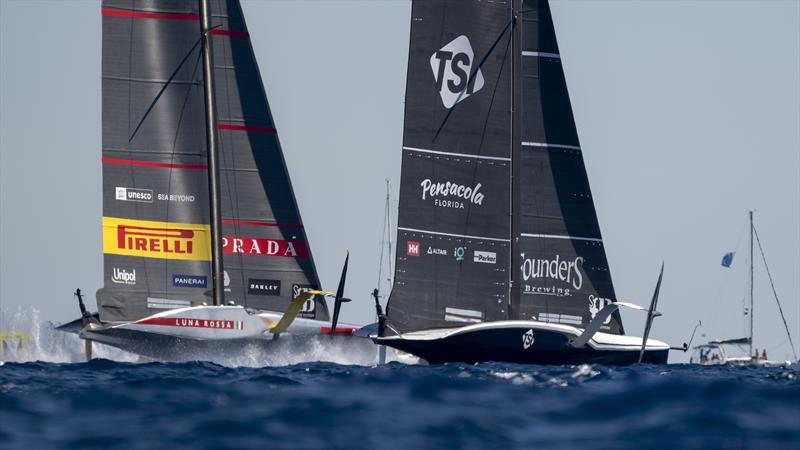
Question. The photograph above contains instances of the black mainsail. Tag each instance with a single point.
(156, 231)
(474, 244)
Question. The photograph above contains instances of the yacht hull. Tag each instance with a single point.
(524, 342)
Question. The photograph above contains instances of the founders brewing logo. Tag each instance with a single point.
(451, 195)
(162, 240)
(452, 69)
(563, 271)
(527, 339)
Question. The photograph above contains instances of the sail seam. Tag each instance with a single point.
(414, 230)
(549, 145)
(558, 236)
(148, 14)
(465, 155)
(541, 54)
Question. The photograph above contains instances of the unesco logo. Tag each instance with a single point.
(452, 68)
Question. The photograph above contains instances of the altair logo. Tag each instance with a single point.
(452, 67)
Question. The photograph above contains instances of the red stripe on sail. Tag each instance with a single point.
(132, 162)
(226, 126)
(148, 15)
(262, 224)
(232, 33)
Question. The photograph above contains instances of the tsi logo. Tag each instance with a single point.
(527, 339)
(452, 67)
(134, 195)
(122, 276)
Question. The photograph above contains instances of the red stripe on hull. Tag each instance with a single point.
(339, 330)
(133, 162)
(262, 224)
(225, 126)
(148, 15)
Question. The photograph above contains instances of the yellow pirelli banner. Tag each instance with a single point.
(162, 240)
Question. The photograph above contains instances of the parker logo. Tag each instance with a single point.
(412, 248)
(134, 195)
(162, 240)
(451, 195)
(122, 276)
(484, 257)
(189, 281)
(309, 306)
(257, 286)
(264, 247)
(452, 67)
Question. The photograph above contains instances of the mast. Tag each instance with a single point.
(213, 155)
(751, 284)
(516, 148)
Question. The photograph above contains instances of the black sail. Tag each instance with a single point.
(454, 255)
(156, 232)
(453, 222)
(563, 270)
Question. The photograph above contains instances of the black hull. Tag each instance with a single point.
(506, 345)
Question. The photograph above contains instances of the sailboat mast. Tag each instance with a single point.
(751, 284)
(516, 148)
(212, 141)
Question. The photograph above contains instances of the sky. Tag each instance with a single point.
(688, 114)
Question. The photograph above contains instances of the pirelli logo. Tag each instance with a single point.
(162, 240)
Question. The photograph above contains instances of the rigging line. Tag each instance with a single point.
(383, 235)
(164, 88)
(172, 157)
(785, 325)
(472, 78)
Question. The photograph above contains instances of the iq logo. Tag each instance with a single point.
(452, 67)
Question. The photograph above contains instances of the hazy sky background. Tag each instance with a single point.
(688, 114)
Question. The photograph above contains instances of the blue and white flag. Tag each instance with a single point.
(727, 260)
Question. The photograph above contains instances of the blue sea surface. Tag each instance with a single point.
(115, 405)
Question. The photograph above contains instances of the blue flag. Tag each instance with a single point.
(727, 260)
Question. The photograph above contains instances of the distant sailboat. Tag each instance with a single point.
(715, 351)
(500, 255)
(204, 247)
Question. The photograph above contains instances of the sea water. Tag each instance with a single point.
(48, 400)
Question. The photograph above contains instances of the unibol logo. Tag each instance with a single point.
(412, 248)
(122, 276)
(452, 67)
(484, 257)
(150, 239)
(134, 195)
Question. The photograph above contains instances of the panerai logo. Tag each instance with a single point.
(567, 271)
(457, 192)
(453, 69)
